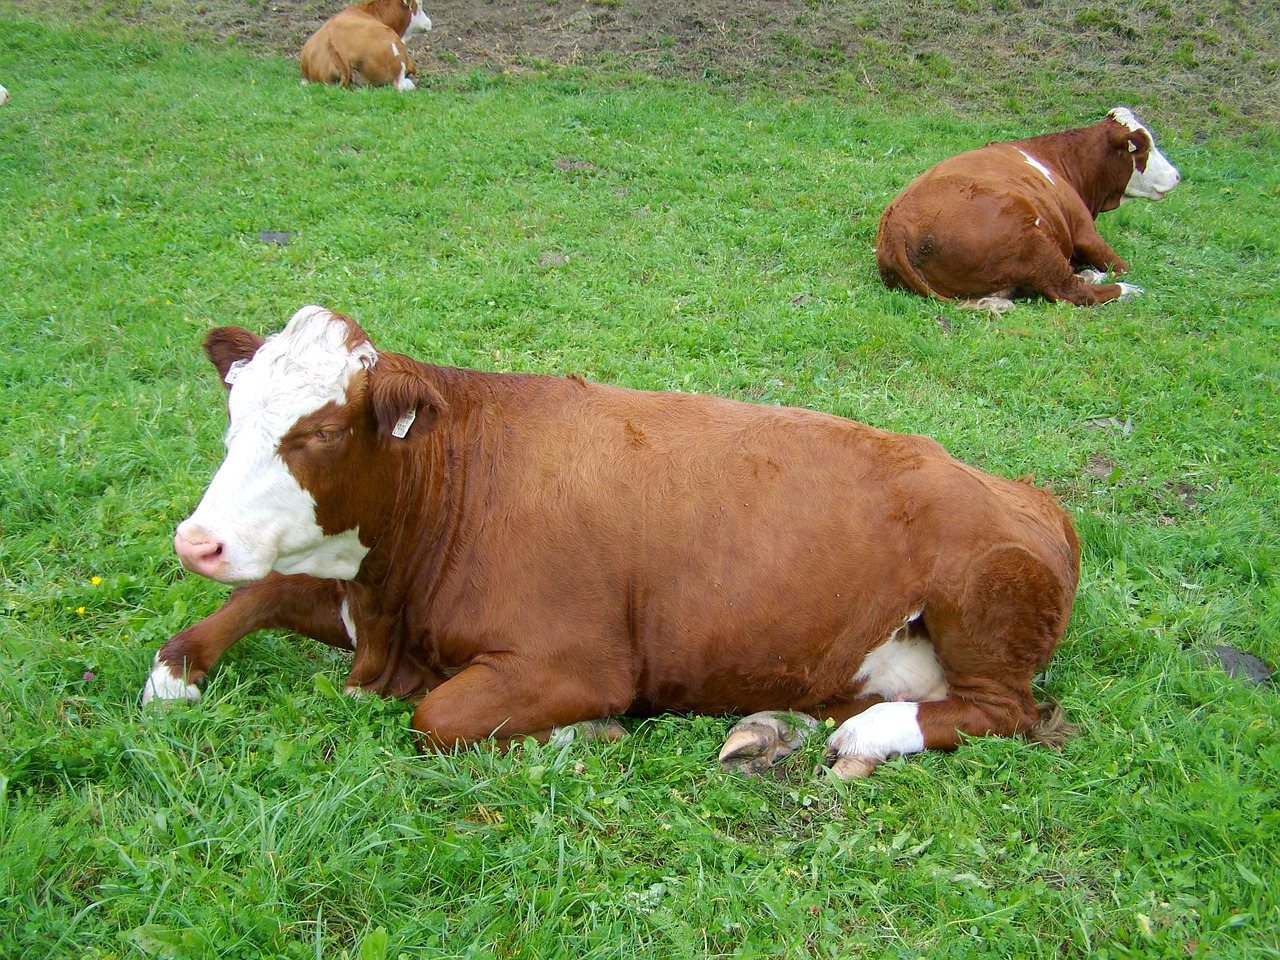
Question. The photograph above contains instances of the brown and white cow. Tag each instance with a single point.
(527, 553)
(1017, 218)
(364, 45)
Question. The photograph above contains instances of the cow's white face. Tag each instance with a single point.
(255, 516)
(418, 20)
(1159, 177)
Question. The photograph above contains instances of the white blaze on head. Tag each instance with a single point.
(419, 21)
(254, 508)
(1160, 177)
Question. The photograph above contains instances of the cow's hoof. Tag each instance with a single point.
(588, 730)
(1128, 290)
(759, 741)
(851, 768)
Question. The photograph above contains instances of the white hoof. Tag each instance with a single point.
(1130, 290)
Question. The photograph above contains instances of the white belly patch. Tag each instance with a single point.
(903, 668)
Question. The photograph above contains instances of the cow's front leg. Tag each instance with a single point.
(1090, 248)
(305, 605)
(503, 697)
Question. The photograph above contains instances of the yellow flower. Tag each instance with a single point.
(95, 580)
(80, 610)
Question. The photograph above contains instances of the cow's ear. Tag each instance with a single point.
(227, 346)
(1137, 143)
(404, 402)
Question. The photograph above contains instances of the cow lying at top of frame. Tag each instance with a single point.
(526, 553)
(364, 45)
(1012, 219)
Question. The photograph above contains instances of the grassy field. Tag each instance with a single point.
(657, 235)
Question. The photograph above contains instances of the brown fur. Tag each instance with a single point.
(546, 551)
(986, 221)
(355, 46)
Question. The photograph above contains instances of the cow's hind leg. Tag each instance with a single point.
(1011, 614)
(759, 741)
(305, 605)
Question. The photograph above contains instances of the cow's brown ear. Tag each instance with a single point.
(1138, 144)
(404, 402)
(225, 346)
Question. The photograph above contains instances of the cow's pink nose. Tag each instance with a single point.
(200, 554)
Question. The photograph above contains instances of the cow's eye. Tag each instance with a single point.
(327, 435)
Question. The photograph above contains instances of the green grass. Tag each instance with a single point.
(652, 235)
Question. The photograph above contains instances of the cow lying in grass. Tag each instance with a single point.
(1017, 218)
(364, 45)
(520, 554)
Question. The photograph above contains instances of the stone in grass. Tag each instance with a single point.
(280, 237)
(1243, 665)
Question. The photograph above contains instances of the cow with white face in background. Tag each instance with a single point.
(365, 45)
(1013, 219)
(4, 96)
(527, 554)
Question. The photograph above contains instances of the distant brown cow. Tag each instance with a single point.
(364, 45)
(1016, 218)
(526, 553)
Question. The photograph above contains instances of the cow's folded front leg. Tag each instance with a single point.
(305, 605)
(504, 698)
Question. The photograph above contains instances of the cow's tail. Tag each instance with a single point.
(345, 70)
(1053, 728)
(897, 259)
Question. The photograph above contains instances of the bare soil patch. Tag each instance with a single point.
(1211, 59)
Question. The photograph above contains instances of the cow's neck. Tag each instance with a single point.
(394, 13)
(411, 517)
(1073, 156)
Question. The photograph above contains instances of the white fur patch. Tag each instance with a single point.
(882, 731)
(1032, 161)
(348, 622)
(4, 96)
(163, 685)
(254, 506)
(395, 50)
(903, 670)
(904, 667)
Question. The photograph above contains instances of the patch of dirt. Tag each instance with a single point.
(1186, 61)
